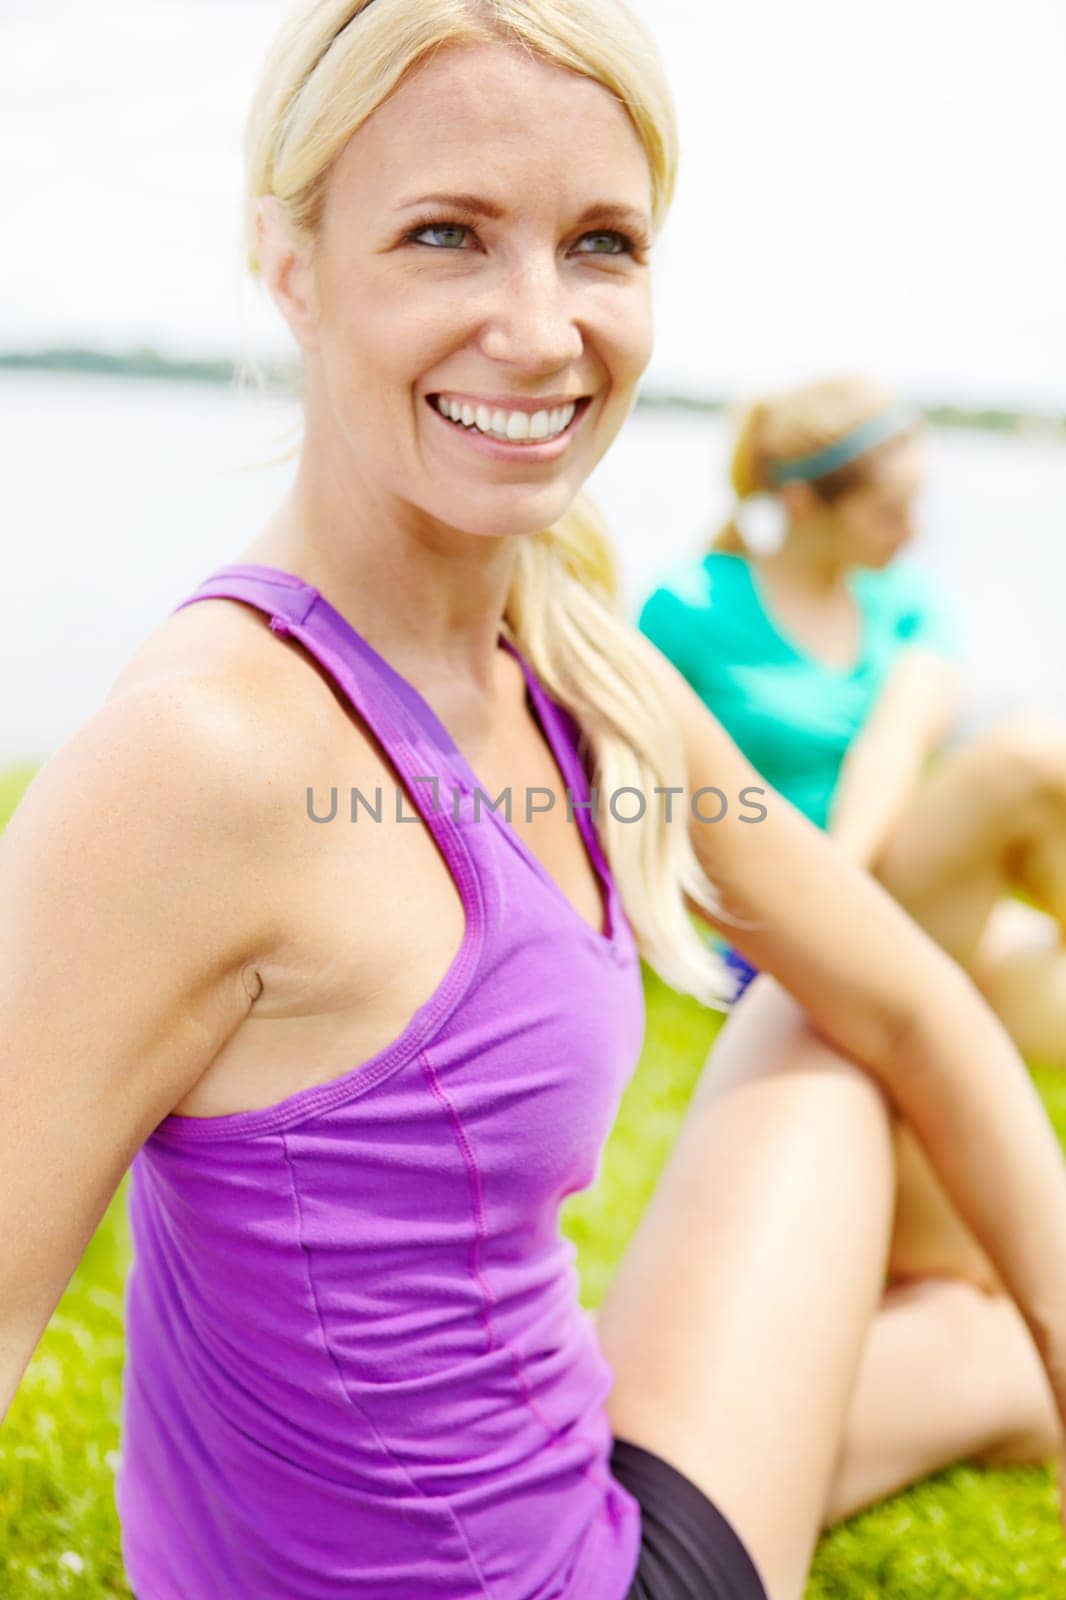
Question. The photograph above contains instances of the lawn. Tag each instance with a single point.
(964, 1534)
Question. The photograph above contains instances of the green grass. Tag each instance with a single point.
(963, 1534)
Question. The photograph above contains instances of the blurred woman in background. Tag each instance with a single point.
(837, 667)
(836, 664)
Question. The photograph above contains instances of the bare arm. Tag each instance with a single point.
(874, 984)
(884, 765)
(129, 940)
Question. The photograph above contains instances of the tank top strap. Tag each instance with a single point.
(410, 734)
(566, 739)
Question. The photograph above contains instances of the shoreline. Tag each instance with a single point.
(147, 362)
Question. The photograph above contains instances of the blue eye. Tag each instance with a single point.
(436, 227)
(629, 246)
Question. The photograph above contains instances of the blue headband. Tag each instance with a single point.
(802, 469)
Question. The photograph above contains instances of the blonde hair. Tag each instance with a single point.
(795, 423)
(327, 71)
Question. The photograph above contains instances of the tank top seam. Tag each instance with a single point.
(434, 1500)
(488, 1298)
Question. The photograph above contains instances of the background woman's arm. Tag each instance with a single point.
(128, 944)
(871, 981)
(884, 765)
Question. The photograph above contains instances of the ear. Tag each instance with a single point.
(800, 501)
(286, 269)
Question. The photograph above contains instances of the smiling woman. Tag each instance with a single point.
(467, 277)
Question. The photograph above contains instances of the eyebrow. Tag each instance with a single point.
(606, 210)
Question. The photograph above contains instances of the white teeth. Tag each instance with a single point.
(514, 426)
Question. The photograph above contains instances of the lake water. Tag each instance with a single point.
(118, 496)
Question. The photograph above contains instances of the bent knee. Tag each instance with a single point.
(772, 1037)
(1030, 746)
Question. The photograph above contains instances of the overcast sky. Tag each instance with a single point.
(863, 184)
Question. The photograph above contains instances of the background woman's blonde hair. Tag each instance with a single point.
(328, 70)
(798, 422)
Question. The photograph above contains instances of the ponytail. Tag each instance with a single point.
(564, 613)
(747, 474)
(729, 540)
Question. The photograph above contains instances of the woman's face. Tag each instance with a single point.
(874, 522)
(530, 295)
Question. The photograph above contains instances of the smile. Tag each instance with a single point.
(516, 431)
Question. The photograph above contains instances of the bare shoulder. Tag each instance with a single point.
(187, 781)
(218, 666)
(183, 740)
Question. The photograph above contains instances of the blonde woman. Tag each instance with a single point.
(358, 1039)
(836, 666)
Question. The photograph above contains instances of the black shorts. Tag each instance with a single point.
(688, 1550)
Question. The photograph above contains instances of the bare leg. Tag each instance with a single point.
(1020, 968)
(993, 818)
(990, 820)
(929, 1238)
(1040, 864)
(949, 1374)
(737, 1322)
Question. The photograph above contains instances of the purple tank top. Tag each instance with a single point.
(357, 1364)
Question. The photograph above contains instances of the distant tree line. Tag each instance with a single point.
(147, 362)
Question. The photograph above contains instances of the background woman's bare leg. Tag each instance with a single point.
(990, 818)
(1041, 865)
(929, 1238)
(1020, 968)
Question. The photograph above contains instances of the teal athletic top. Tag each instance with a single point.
(790, 714)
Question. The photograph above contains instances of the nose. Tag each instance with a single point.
(531, 322)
